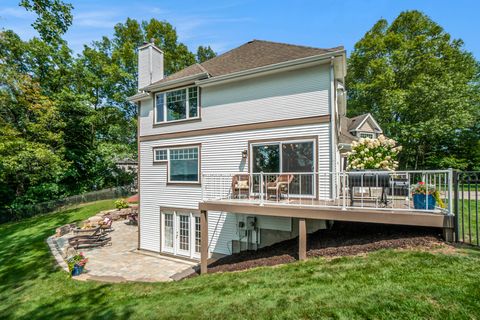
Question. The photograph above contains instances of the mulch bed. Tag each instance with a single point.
(343, 239)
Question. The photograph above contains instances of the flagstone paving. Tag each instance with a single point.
(121, 261)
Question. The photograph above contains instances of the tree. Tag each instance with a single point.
(31, 142)
(54, 17)
(109, 66)
(419, 83)
(205, 53)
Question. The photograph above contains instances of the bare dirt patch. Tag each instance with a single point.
(343, 239)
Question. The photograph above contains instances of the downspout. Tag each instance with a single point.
(332, 128)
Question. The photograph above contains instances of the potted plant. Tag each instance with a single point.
(77, 263)
(426, 196)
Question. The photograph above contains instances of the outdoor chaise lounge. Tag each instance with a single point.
(84, 241)
(87, 232)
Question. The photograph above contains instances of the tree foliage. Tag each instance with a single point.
(64, 119)
(421, 86)
(54, 17)
(205, 53)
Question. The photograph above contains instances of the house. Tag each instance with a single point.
(244, 150)
(353, 129)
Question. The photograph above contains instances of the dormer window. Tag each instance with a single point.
(370, 135)
(176, 105)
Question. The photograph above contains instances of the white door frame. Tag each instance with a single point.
(192, 232)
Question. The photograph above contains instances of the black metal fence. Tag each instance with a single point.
(466, 206)
(27, 211)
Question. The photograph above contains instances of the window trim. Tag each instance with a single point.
(314, 139)
(371, 134)
(187, 113)
(167, 162)
(198, 165)
(154, 155)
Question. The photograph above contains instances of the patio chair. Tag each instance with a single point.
(132, 218)
(106, 225)
(279, 186)
(240, 185)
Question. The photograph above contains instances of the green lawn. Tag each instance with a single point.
(385, 284)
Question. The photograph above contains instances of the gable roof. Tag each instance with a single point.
(357, 122)
(253, 54)
(347, 125)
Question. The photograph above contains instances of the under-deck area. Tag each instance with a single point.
(306, 212)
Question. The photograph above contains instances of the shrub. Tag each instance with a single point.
(121, 204)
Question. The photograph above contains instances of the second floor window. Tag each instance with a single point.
(176, 105)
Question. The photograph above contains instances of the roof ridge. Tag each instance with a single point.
(295, 45)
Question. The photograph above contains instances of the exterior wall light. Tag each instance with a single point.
(244, 154)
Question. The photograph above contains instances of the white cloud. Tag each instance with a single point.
(13, 12)
(96, 19)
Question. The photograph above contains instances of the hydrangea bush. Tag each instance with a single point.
(372, 154)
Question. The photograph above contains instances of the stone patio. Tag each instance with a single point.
(121, 261)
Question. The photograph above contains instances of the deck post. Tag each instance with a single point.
(302, 239)
(203, 242)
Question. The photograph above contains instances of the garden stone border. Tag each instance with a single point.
(57, 253)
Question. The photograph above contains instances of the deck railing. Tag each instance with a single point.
(383, 190)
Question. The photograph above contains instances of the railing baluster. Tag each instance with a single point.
(261, 188)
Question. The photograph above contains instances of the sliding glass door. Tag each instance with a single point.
(284, 157)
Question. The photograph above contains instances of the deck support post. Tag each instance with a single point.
(302, 239)
(203, 242)
(449, 234)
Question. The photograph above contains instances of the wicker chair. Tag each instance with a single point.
(241, 186)
(279, 186)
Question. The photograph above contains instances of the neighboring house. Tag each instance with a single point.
(262, 126)
(127, 165)
(352, 129)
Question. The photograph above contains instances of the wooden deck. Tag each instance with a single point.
(365, 214)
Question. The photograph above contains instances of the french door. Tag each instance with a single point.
(180, 233)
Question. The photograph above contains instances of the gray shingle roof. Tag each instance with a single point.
(354, 122)
(253, 54)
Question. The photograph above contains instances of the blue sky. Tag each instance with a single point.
(227, 24)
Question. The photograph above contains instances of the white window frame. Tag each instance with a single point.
(155, 154)
(370, 135)
(187, 115)
(279, 142)
(198, 164)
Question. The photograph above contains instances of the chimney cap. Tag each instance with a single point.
(152, 40)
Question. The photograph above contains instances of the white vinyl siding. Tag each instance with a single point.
(287, 95)
(219, 154)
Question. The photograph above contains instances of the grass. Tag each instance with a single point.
(382, 285)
